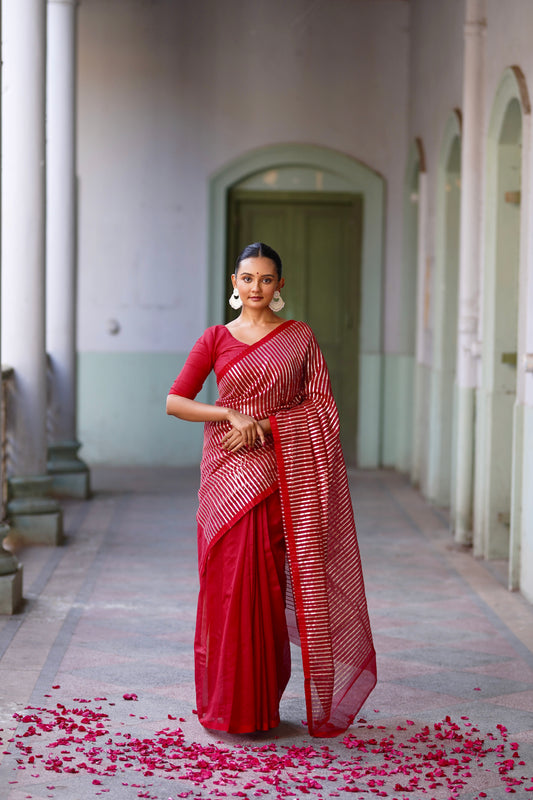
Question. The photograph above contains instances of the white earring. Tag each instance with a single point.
(277, 302)
(235, 300)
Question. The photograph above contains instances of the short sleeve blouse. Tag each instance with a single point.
(214, 349)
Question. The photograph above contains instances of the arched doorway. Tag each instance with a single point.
(446, 288)
(330, 171)
(498, 523)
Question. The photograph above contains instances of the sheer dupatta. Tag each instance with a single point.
(284, 377)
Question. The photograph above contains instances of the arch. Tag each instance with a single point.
(364, 181)
(446, 290)
(521, 85)
(420, 154)
(500, 431)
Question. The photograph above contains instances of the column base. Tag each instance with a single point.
(34, 516)
(463, 536)
(10, 578)
(70, 475)
(11, 592)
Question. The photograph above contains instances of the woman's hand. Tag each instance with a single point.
(244, 432)
(233, 441)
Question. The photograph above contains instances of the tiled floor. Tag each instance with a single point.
(112, 613)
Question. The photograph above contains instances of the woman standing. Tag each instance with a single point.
(273, 490)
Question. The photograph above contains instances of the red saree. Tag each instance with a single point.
(284, 377)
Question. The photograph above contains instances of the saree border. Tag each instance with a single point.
(229, 525)
(251, 347)
(293, 566)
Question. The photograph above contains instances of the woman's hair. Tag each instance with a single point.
(256, 250)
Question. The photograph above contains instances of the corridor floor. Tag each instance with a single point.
(96, 672)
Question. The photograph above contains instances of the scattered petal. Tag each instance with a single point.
(407, 760)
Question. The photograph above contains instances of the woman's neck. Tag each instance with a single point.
(261, 318)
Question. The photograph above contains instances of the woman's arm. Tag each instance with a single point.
(247, 428)
(193, 411)
(265, 424)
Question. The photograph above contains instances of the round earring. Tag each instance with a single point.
(235, 300)
(277, 302)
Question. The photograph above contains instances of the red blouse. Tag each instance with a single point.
(213, 350)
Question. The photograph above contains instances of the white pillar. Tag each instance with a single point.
(10, 569)
(69, 473)
(23, 264)
(469, 264)
(421, 401)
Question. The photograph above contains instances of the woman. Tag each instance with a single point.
(273, 490)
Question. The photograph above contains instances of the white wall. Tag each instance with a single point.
(170, 91)
(435, 89)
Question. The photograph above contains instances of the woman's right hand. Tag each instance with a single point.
(247, 427)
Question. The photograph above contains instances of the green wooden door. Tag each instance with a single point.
(318, 237)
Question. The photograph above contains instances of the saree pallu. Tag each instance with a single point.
(284, 377)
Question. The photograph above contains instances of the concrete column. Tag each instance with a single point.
(469, 266)
(70, 474)
(34, 514)
(420, 434)
(10, 569)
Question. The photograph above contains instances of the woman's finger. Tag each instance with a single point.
(260, 432)
(231, 439)
(235, 447)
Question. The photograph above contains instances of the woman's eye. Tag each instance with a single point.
(267, 280)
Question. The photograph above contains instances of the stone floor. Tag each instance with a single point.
(111, 614)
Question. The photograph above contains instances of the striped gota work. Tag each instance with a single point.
(284, 377)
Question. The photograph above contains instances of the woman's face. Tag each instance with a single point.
(256, 281)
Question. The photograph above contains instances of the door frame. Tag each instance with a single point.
(364, 181)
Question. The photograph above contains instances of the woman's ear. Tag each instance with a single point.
(281, 283)
(233, 280)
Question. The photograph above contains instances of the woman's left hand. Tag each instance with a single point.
(233, 441)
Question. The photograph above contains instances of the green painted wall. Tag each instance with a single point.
(121, 411)
(421, 427)
(526, 539)
(398, 373)
(369, 406)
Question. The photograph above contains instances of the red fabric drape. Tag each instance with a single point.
(242, 652)
(284, 377)
(327, 579)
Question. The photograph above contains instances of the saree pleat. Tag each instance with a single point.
(242, 654)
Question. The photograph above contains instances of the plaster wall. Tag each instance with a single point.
(435, 89)
(168, 93)
(435, 85)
